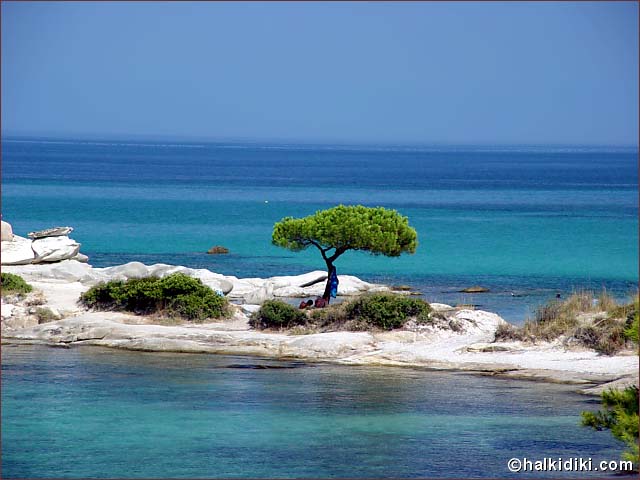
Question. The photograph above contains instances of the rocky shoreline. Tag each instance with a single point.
(463, 340)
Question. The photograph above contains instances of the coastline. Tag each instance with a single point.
(471, 349)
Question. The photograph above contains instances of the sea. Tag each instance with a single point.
(89, 412)
(525, 222)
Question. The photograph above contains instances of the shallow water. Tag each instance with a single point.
(93, 412)
(526, 222)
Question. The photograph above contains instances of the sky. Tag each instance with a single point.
(352, 72)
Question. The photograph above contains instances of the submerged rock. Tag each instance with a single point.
(217, 250)
(475, 289)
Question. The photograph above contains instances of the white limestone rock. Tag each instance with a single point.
(441, 307)
(126, 271)
(74, 271)
(50, 232)
(477, 322)
(7, 310)
(17, 251)
(54, 249)
(249, 309)
(260, 295)
(81, 257)
(7, 232)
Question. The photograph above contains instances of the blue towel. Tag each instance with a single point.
(333, 282)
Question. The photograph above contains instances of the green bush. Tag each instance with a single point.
(10, 283)
(277, 314)
(387, 311)
(379, 310)
(176, 295)
(620, 415)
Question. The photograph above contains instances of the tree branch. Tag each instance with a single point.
(323, 251)
(339, 251)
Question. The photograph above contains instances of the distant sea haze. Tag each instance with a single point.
(525, 221)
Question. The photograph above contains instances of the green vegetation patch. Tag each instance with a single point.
(12, 284)
(384, 311)
(387, 311)
(277, 314)
(177, 295)
(620, 415)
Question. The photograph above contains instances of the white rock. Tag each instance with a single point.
(75, 271)
(81, 257)
(17, 252)
(478, 321)
(7, 232)
(260, 295)
(303, 280)
(54, 249)
(440, 307)
(7, 310)
(126, 271)
(249, 309)
(51, 232)
(295, 292)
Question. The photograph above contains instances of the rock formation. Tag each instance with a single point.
(44, 246)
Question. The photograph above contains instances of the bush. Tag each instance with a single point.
(379, 310)
(387, 311)
(605, 330)
(176, 295)
(620, 415)
(277, 314)
(631, 332)
(46, 315)
(10, 284)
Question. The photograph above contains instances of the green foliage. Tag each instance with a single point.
(380, 310)
(10, 284)
(374, 230)
(277, 314)
(632, 312)
(176, 295)
(620, 415)
(631, 332)
(387, 311)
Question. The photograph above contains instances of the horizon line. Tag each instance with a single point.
(142, 138)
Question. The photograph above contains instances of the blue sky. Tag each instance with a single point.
(433, 72)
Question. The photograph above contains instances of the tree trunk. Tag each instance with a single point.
(327, 289)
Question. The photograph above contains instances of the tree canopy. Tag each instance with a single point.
(375, 230)
(378, 230)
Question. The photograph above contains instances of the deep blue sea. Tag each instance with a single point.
(526, 222)
(89, 412)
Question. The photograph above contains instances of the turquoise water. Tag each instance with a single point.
(526, 222)
(89, 412)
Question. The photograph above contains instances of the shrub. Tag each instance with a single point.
(277, 314)
(631, 330)
(379, 310)
(605, 330)
(176, 295)
(10, 283)
(46, 315)
(387, 311)
(620, 415)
